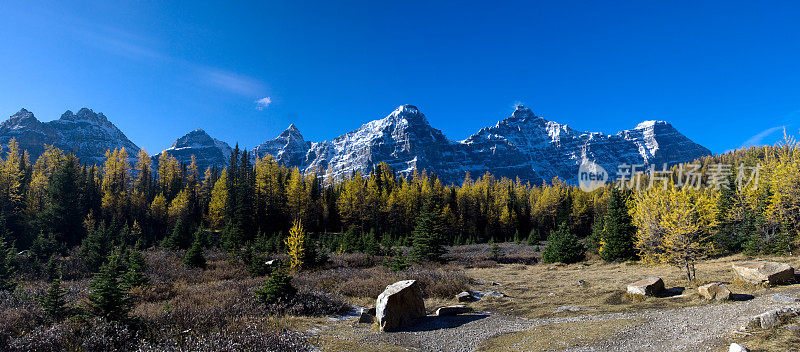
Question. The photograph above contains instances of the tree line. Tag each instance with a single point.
(56, 203)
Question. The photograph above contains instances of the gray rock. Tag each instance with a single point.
(465, 297)
(453, 310)
(492, 293)
(399, 305)
(649, 286)
(715, 291)
(772, 318)
(735, 347)
(791, 327)
(779, 298)
(764, 272)
(567, 308)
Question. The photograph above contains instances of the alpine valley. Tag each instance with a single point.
(522, 145)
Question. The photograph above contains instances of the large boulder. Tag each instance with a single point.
(764, 272)
(649, 286)
(716, 291)
(773, 318)
(399, 305)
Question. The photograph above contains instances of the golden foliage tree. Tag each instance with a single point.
(296, 244)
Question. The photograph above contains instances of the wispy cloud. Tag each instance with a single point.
(233, 82)
(758, 139)
(263, 103)
(131, 46)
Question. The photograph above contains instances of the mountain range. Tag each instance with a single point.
(522, 145)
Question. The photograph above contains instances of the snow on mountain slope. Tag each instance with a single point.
(208, 152)
(86, 134)
(523, 145)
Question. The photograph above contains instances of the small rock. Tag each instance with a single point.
(649, 286)
(735, 347)
(465, 297)
(716, 291)
(792, 327)
(582, 283)
(492, 293)
(399, 305)
(567, 309)
(764, 272)
(552, 268)
(783, 299)
(453, 310)
(496, 284)
(579, 267)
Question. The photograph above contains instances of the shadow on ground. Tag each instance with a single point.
(671, 292)
(431, 323)
(741, 297)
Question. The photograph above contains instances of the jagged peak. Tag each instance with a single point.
(650, 124)
(291, 132)
(410, 114)
(22, 117)
(522, 112)
(84, 114)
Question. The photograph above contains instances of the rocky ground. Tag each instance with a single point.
(696, 328)
(539, 316)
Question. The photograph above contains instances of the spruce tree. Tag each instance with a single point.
(107, 298)
(563, 246)
(194, 256)
(7, 270)
(278, 287)
(134, 268)
(53, 303)
(428, 237)
(618, 230)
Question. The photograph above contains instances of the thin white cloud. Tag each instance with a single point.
(233, 82)
(129, 45)
(758, 139)
(263, 103)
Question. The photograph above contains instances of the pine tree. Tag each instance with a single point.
(563, 246)
(107, 298)
(616, 241)
(194, 256)
(180, 237)
(134, 275)
(428, 237)
(7, 270)
(278, 287)
(53, 303)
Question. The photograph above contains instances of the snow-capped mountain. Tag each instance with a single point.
(206, 150)
(523, 145)
(289, 148)
(86, 134)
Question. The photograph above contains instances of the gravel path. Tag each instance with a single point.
(698, 328)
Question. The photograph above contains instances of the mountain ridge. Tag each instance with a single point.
(522, 145)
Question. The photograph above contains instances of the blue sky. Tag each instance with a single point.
(724, 73)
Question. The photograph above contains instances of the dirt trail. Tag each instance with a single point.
(697, 328)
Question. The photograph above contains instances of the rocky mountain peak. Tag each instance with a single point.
(521, 113)
(408, 115)
(291, 132)
(198, 137)
(23, 118)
